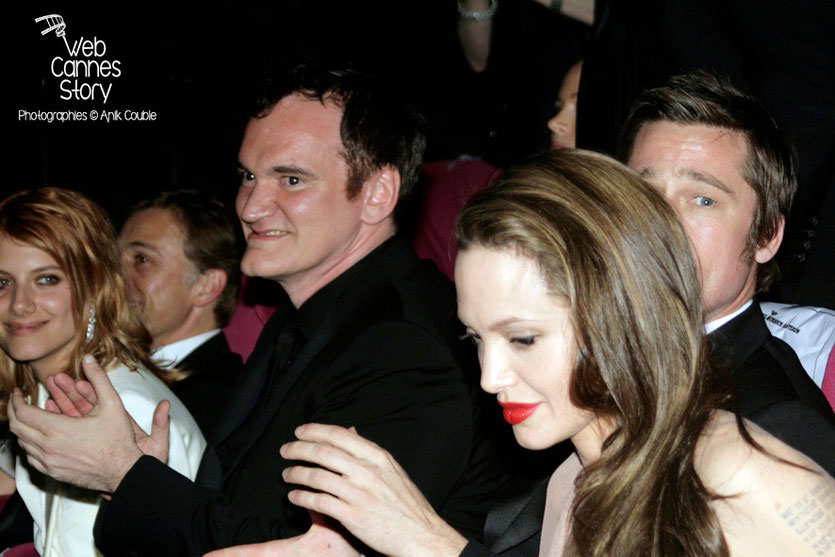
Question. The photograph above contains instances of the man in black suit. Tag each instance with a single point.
(366, 339)
(181, 258)
(729, 172)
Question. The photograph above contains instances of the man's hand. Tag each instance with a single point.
(319, 540)
(95, 450)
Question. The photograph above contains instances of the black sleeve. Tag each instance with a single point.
(796, 424)
(395, 383)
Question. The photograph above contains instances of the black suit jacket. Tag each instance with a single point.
(771, 387)
(381, 358)
(214, 369)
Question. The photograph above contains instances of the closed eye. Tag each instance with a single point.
(523, 341)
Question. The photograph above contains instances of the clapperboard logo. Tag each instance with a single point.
(85, 73)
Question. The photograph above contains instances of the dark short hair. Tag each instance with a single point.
(377, 129)
(708, 99)
(212, 239)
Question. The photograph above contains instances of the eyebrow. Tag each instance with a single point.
(691, 174)
(284, 169)
(510, 321)
(141, 244)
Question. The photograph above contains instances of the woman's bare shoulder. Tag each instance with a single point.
(773, 501)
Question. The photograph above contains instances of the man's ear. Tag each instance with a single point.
(209, 286)
(768, 250)
(380, 194)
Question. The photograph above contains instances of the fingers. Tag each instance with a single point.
(161, 417)
(81, 393)
(322, 503)
(102, 389)
(65, 398)
(22, 417)
(318, 479)
(347, 440)
(159, 427)
(86, 390)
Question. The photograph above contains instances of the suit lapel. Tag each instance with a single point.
(516, 520)
(252, 376)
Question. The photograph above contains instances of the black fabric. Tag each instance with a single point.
(214, 369)
(380, 355)
(772, 389)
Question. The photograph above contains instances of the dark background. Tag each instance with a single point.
(195, 67)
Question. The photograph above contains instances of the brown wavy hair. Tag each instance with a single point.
(610, 245)
(78, 235)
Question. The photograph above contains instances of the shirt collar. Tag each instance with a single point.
(172, 354)
(716, 323)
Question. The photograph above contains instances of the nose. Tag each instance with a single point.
(562, 125)
(557, 125)
(495, 373)
(255, 202)
(130, 282)
(22, 301)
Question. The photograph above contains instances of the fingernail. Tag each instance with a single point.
(88, 359)
(282, 450)
(300, 430)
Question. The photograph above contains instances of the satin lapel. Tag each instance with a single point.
(514, 521)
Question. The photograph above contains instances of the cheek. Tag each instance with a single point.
(59, 304)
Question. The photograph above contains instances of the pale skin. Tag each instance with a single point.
(171, 298)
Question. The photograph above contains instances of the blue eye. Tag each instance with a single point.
(703, 201)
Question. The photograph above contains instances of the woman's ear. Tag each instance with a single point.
(380, 195)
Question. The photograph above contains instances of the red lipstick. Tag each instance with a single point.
(517, 412)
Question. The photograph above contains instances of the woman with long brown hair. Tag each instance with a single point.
(62, 297)
(577, 284)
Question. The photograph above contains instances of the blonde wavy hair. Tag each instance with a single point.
(78, 235)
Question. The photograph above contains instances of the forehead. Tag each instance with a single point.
(294, 126)
(152, 226)
(14, 253)
(668, 148)
(493, 282)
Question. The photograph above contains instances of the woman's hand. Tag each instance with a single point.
(366, 490)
